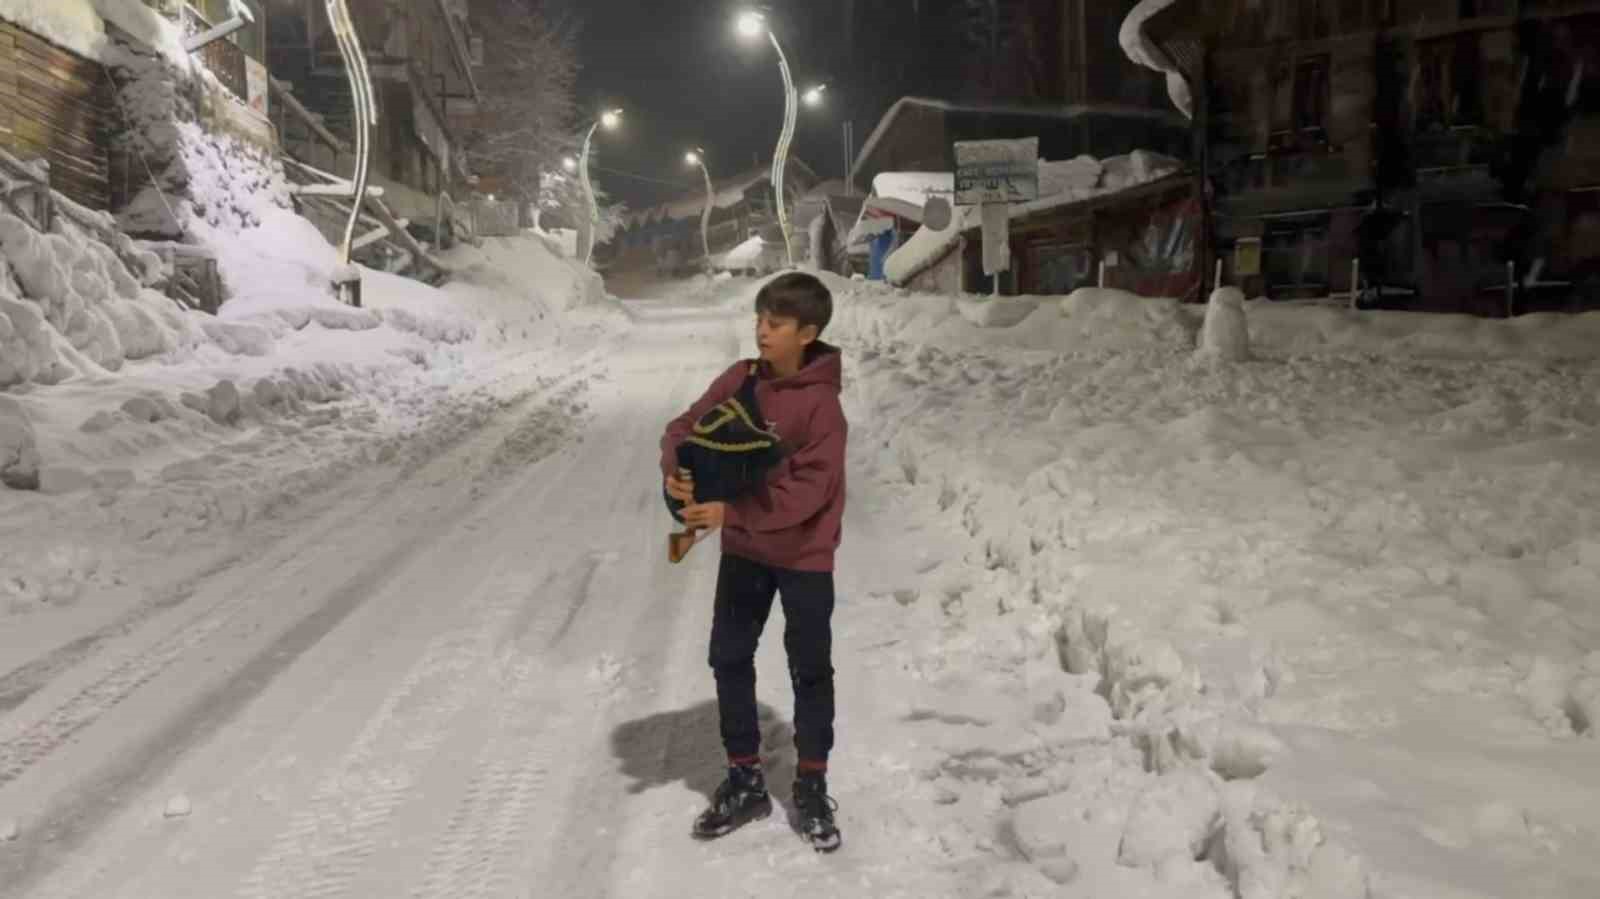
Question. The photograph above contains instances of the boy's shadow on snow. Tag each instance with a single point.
(685, 746)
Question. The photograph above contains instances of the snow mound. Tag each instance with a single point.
(208, 184)
(69, 306)
(744, 256)
(1302, 329)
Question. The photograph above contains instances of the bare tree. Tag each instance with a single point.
(529, 84)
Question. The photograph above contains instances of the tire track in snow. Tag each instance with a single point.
(489, 831)
(327, 846)
(97, 795)
(17, 686)
(36, 741)
(494, 813)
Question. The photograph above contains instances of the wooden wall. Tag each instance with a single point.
(58, 106)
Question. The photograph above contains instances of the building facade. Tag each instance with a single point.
(1437, 155)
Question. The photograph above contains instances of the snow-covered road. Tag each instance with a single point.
(476, 676)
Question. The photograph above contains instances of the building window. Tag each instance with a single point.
(1311, 94)
(1447, 86)
(1294, 258)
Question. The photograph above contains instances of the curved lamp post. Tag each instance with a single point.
(697, 157)
(609, 120)
(753, 25)
(347, 283)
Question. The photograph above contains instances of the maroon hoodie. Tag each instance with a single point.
(794, 519)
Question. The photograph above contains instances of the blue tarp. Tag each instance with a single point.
(882, 246)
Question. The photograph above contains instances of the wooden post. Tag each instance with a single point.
(1217, 281)
(1355, 283)
(1511, 289)
(1102, 274)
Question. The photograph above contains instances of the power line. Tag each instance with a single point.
(638, 177)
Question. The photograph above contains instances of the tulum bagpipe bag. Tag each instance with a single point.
(729, 449)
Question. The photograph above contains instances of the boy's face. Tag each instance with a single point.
(781, 339)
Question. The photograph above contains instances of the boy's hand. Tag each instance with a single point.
(681, 490)
(706, 516)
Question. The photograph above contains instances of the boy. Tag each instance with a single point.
(779, 537)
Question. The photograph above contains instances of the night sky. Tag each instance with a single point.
(685, 77)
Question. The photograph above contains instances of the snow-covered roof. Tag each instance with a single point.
(1061, 183)
(914, 188)
(79, 25)
(1145, 52)
(1065, 111)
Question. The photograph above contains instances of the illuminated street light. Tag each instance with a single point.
(814, 96)
(752, 25)
(610, 120)
(697, 157)
(570, 164)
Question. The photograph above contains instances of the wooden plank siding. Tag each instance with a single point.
(58, 106)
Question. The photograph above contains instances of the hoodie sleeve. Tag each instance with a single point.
(726, 385)
(805, 484)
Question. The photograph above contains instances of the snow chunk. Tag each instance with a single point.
(19, 454)
(1225, 334)
(745, 255)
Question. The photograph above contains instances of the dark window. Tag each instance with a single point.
(1466, 80)
(1294, 258)
(1311, 94)
(1061, 268)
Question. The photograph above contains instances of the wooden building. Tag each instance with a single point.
(58, 100)
(419, 54)
(1442, 154)
(58, 106)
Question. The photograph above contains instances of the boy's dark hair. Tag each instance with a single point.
(799, 296)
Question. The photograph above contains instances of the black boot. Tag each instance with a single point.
(815, 809)
(740, 799)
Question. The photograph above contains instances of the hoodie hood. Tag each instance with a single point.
(824, 366)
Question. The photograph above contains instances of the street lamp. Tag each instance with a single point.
(569, 164)
(347, 281)
(608, 120)
(814, 96)
(697, 157)
(752, 25)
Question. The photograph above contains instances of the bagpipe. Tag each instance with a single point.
(726, 454)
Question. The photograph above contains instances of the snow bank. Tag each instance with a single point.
(209, 184)
(70, 307)
(1182, 629)
(1143, 51)
(1300, 329)
(744, 256)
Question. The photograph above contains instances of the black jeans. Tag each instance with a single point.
(744, 599)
